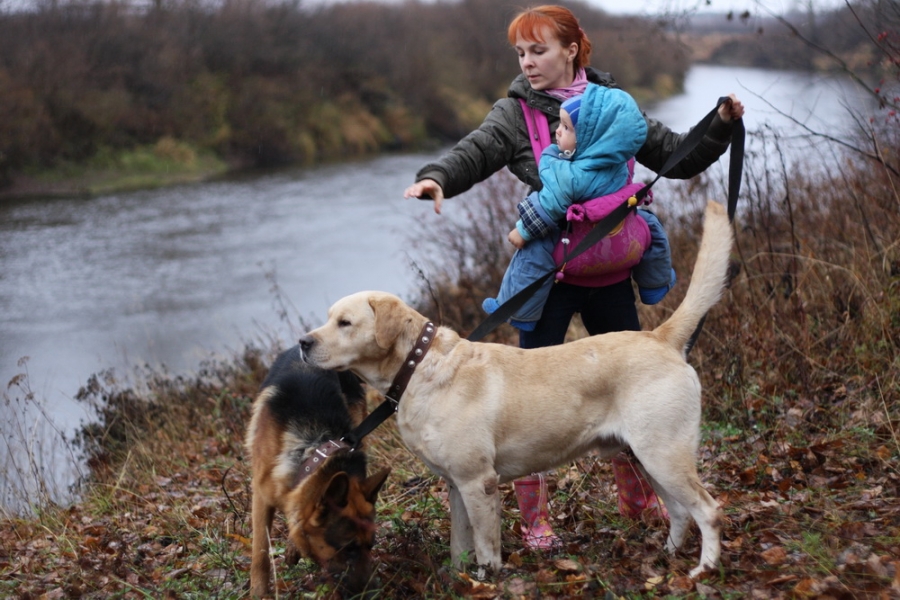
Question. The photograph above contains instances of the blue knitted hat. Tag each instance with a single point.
(573, 107)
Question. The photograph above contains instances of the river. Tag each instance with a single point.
(169, 277)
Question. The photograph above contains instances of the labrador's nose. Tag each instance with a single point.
(306, 344)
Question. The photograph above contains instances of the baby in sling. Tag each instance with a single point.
(599, 131)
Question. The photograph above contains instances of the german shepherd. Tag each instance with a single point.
(328, 501)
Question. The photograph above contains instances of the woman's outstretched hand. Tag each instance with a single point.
(427, 188)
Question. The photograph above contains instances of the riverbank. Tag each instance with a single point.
(168, 162)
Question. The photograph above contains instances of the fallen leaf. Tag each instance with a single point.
(774, 556)
(91, 542)
(682, 583)
(244, 540)
(545, 576)
(653, 582)
(566, 565)
(517, 586)
(805, 589)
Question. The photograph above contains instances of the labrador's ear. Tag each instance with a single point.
(390, 320)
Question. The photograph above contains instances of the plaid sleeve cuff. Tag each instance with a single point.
(532, 223)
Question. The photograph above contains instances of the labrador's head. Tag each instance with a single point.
(367, 333)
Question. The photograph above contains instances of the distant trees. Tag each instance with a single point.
(264, 83)
(795, 40)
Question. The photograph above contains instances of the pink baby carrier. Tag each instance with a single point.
(611, 259)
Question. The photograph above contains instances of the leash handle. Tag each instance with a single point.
(735, 175)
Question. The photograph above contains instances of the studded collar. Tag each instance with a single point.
(415, 356)
(318, 458)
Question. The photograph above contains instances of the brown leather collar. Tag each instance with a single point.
(318, 457)
(415, 356)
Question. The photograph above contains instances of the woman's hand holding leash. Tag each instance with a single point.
(733, 109)
(425, 189)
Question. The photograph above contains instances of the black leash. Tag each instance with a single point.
(612, 220)
(735, 173)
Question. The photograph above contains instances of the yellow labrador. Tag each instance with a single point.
(480, 414)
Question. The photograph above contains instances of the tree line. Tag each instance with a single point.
(861, 34)
(262, 84)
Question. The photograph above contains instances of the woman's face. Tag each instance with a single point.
(546, 63)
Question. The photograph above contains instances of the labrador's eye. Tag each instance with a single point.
(343, 323)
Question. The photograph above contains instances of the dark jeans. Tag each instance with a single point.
(603, 310)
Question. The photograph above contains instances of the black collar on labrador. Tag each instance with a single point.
(398, 386)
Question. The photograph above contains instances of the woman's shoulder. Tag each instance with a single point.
(519, 88)
(601, 78)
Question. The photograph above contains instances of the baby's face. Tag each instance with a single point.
(565, 133)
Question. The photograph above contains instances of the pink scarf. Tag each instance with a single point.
(577, 87)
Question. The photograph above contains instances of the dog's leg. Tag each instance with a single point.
(461, 541)
(679, 516)
(676, 480)
(710, 519)
(260, 566)
(481, 498)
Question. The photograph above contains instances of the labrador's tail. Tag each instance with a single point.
(707, 280)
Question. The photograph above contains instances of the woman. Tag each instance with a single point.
(554, 55)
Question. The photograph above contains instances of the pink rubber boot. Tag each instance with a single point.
(636, 496)
(532, 495)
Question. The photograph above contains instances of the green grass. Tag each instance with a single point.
(165, 163)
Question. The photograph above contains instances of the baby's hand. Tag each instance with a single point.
(515, 238)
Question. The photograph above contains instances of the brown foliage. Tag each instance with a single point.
(262, 83)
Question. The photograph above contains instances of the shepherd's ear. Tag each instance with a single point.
(372, 485)
(337, 490)
(389, 320)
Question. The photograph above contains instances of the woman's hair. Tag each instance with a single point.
(561, 21)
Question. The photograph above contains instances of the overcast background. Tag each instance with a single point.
(620, 7)
(655, 7)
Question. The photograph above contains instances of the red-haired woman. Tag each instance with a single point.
(554, 55)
